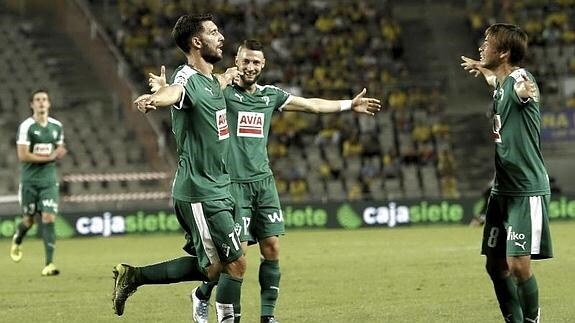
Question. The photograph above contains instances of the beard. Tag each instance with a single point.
(209, 55)
(250, 82)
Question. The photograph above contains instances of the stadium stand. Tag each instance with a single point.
(392, 155)
(97, 137)
(420, 146)
(315, 51)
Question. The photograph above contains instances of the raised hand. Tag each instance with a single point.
(144, 103)
(526, 88)
(471, 65)
(231, 75)
(474, 67)
(368, 106)
(155, 82)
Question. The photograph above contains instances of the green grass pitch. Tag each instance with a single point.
(418, 274)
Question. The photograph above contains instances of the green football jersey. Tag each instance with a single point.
(519, 166)
(42, 141)
(250, 117)
(199, 124)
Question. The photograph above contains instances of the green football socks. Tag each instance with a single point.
(228, 297)
(506, 292)
(205, 290)
(529, 298)
(171, 271)
(269, 277)
(49, 237)
(20, 233)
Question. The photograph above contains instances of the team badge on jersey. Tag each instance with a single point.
(251, 124)
(498, 94)
(266, 99)
(222, 122)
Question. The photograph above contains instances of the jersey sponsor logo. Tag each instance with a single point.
(42, 149)
(251, 124)
(276, 217)
(222, 122)
(50, 203)
(496, 128)
(512, 236)
(183, 75)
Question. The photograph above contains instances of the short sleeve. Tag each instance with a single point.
(22, 137)
(60, 140)
(181, 78)
(283, 97)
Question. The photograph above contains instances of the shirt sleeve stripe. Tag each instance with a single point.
(23, 132)
(181, 78)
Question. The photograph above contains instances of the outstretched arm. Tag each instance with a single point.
(155, 82)
(474, 67)
(164, 97)
(359, 104)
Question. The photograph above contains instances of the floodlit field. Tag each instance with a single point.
(424, 274)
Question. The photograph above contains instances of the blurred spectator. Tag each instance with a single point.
(352, 146)
(276, 149)
(316, 49)
(298, 189)
(391, 164)
(445, 163)
(421, 133)
(331, 132)
(355, 192)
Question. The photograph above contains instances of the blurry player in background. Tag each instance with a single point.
(201, 193)
(40, 144)
(516, 223)
(258, 212)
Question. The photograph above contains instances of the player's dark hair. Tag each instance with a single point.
(252, 44)
(36, 92)
(508, 37)
(187, 27)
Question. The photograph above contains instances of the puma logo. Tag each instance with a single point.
(522, 245)
(209, 90)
